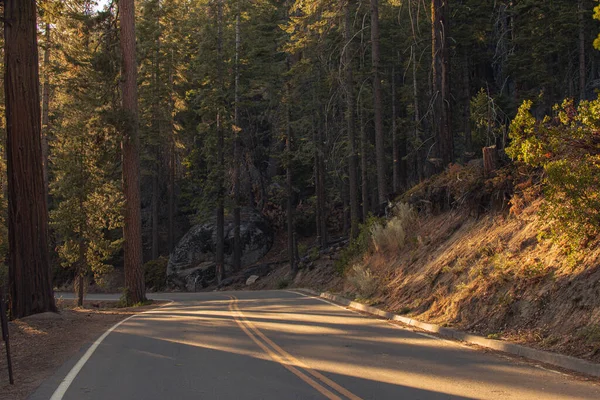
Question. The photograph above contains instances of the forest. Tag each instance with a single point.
(139, 119)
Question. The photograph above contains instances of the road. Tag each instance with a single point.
(285, 345)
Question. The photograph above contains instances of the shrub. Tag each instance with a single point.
(392, 236)
(567, 147)
(357, 246)
(155, 273)
(283, 283)
(363, 281)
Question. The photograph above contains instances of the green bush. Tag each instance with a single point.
(155, 273)
(357, 246)
(567, 147)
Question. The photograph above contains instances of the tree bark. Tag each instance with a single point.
(157, 131)
(441, 83)
(155, 201)
(289, 182)
(490, 160)
(350, 118)
(467, 107)
(237, 155)
(132, 230)
(417, 138)
(364, 167)
(377, 108)
(81, 273)
(395, 144)
(30, 283)
(45, 108)
(220, 256)
(172, 165)
(320, 172)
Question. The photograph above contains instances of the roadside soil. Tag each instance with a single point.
(41, 343)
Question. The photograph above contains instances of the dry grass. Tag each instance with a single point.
(495, 275)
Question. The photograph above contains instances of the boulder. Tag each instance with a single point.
(191, 264)
(252, 279)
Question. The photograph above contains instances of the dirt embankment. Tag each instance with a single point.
(477, 259)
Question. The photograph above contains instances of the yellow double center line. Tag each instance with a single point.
(287, 360)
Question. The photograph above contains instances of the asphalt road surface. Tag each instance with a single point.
(280, 345)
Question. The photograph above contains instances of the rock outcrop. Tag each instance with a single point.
(191, 264)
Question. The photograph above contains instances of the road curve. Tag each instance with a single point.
(285, 345)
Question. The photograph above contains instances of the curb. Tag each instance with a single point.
(555, 359)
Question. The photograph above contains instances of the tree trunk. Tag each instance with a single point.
(490, 160)
(319, 165)
(158, 131)
(132, 230)
(81, 272)
(582, 68)
(377, 108)
(237, 155)
(45, 108)
(220, 256)
(363, 167)
(417, 138)
(288, 177)
(395, 147)
(349, 88)
(467, 107)
(30, 283)
(155, 201)
(172, 166)
(441, 83)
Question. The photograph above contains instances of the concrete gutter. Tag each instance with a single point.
(558, 360)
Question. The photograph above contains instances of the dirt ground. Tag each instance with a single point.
(40, 344)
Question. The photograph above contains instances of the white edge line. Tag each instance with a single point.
(68, 380)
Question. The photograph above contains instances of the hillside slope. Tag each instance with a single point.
(468, 262)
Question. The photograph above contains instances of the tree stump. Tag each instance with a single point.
(490, 160)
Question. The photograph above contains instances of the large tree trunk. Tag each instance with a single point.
(349, 88)
(377, 108)
(29, 268)
(220, 255)
(582, 68)
(132, 230)
(45, 107)
(441, 83)
(237, 155)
